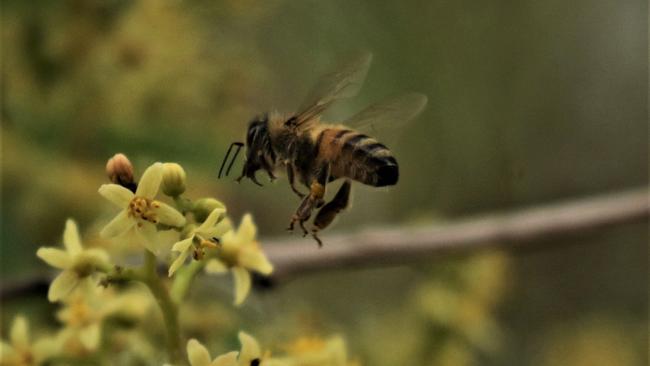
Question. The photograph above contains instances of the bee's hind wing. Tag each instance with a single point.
(388, 115)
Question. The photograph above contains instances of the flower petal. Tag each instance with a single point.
(217, 231)
(147, 235)
(150, 181)
(228, 359)
(90, 336)
(19, 334)
(117, 194)
(95, 257)
(197, 353)
(183, 245)
(247, 229)
(242, 284)
(256, 260)
(250, 349)
(168, 215)
(71, 239)
(178, 262)
(212, 219)
(45, 348)
(62, 285)
(215, 266)
(119, 225)
(7, 352)
(56, 258)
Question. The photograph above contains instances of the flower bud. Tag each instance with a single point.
(204, 206)
(120, 171)
(173, 179)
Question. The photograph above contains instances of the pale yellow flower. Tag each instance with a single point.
(85, 311)
(20, 351)
(140, 212)
(210, 228)
(198, 355)
(250, 354)
(250, 350)
(447, 306)
(241, 253)
(78, 264)
(317, 351)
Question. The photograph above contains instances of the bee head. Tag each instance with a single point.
(259, 153)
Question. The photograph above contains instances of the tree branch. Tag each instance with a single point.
(407, 244)
(373, 247)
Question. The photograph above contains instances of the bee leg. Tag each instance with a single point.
(291, 177)
(305, 232)
(327, 214)
(315, 198)
(320, 242)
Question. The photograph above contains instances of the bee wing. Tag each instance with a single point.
(345, 81)
(388, 114)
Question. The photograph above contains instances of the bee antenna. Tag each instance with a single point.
(223, 163)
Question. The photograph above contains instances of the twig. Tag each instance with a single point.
(296, 256)
(403, 245)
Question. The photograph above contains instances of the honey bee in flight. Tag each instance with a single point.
(317, 153)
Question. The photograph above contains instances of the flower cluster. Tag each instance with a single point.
(105, 307)
(302, 352)
(210, 239)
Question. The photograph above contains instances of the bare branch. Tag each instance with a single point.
(402, 245)
(373, 247)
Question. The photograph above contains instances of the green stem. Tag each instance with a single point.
(148, 275)
(167, 306)
(183, 204)
(183, 279)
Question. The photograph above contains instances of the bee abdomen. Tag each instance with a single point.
(371, 162)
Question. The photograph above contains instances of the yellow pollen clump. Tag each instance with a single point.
(143, 208)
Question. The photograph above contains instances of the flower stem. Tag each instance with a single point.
(168, 308)
(183, 204)
(183, 279)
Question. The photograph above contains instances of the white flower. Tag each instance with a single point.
(77, 263)
(140, 211)
(240, 252)
(210, 228)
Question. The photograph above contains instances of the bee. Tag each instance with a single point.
(316, 153)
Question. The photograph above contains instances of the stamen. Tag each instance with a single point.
(143, 208)
(208, 244)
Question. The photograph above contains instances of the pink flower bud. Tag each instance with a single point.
(120, 171)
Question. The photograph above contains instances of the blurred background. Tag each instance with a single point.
(529, 102)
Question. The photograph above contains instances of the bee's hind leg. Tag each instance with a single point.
(327, 214)
(314, 199)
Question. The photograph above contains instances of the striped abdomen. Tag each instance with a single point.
(357, 156)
